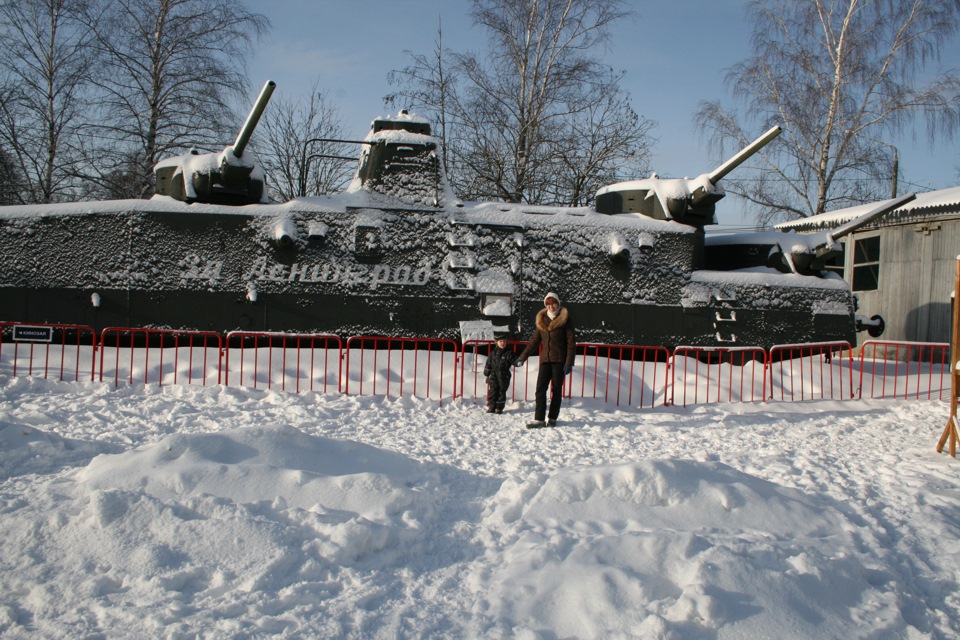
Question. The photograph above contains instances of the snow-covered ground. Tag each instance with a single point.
(216, 512)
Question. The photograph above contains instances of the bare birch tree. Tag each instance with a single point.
(45, 60)
(295, 147)
(9, 180)
(540, 58)
(169, 70)
(840, 76)
(428, 86)
(603, 143)
(515, 119)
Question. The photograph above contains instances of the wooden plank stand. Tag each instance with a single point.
(950, 431)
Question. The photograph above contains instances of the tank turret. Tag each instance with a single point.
(227, 177)
(689, 201)
(400, 160)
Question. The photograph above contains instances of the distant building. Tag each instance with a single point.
(901, 267)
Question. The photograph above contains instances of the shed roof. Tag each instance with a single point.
(926, 204)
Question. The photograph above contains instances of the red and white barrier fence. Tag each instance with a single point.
(623, 375)
(905, 370)
(55, 351)
(161, 356)
(288, 361)
(799, 372)
(421, 367)
(523, 380)
(707, 374)
(620, 374)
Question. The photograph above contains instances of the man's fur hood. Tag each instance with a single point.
(544, 323)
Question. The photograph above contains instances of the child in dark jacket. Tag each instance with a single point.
(498, 371)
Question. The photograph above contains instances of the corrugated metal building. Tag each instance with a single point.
(901, 267)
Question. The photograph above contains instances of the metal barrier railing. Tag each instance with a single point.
(624, 375)
(379, 365)
(292, 361)
(66, 352)
(163, 356)
(801, 372)
(896, 370)
(522, 381)
(473, 356)
(524, 384)
(696, 369)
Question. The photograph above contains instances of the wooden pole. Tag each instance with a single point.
(950, 431)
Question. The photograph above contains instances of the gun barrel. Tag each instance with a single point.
(253, 118)
(828, 247)
(734, 162)
(870, 216)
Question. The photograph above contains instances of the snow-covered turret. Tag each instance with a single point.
(685, 200)
(231, 176)
(400, 161)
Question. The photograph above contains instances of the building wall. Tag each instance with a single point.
(917, 270)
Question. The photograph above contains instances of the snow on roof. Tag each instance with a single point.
(401, 136)
(677, 188)
(523, 214)
(766, 276)
(937, 201)
(403, 116)
(165, 204)
(156, 204)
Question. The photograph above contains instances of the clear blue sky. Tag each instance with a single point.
(674, 53)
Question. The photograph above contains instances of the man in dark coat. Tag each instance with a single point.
(498, 371)
(555, 336)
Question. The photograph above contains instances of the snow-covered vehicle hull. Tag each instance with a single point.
(325, 265)
(399, 255)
